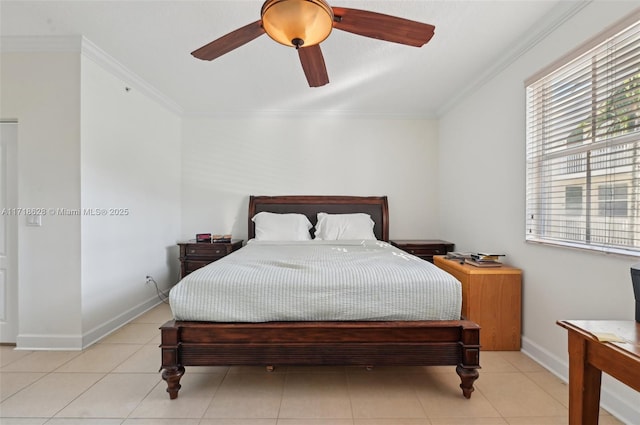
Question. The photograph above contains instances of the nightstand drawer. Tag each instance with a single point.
(190, 266)
(424, 251)
(423, 248)
(209, 250)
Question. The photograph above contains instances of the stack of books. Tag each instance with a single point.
(481, 259)
(221, 238)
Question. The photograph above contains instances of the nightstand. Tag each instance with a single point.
(194, 255)
(423, 248)
(491, 297)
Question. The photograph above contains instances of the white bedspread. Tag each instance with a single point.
(317, 280)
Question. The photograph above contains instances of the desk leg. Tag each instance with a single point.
(584, 383)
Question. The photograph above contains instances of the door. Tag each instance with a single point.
(9, 214)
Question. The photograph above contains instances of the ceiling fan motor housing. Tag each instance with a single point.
(297, 23)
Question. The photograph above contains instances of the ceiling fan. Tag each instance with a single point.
(304, 24)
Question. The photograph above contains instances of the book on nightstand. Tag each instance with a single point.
(454, 255)
(221, 238)
(479, 257)
(485, 263)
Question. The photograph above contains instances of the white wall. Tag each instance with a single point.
(226, 160)
(42, 91)
(130, 167)
(482, 141)
(84, 142)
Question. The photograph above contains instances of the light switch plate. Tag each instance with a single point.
(34, 220)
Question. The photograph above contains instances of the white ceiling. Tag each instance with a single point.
(368, 77)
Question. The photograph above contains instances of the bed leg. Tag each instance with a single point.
(172, 376)
(467, 376)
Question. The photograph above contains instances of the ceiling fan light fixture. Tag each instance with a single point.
(297, 23)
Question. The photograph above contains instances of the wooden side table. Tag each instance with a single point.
(194, 255)
(423, 248)
(589, 356)
(491, 297)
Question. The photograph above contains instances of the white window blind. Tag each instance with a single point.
(583, 147)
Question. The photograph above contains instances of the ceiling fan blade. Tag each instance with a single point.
(313, 65)
(228, 42)
(382, 27)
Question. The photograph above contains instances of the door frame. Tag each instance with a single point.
(9, 323)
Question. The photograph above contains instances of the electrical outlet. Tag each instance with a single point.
(148, 280)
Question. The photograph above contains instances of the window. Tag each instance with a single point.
(612, 200)
(573, 200)
(583, 146)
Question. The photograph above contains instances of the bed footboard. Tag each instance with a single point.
(426, 343)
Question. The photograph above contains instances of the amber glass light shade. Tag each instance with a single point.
(297, 22)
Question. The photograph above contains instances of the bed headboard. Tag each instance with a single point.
(376, 206)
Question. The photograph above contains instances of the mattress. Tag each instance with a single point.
(317, 281)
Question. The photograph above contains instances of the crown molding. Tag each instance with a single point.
(108, 63)
(86, 48)
(549, 23)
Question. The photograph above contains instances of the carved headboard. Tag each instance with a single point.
(376, 206)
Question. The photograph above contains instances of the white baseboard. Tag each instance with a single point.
(618, 399)
(72, 342)
(107, 328)
(36, 342)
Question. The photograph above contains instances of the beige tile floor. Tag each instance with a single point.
(117, 382)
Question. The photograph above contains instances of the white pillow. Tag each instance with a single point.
(333, 227)
(281, 227)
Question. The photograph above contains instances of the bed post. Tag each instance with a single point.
(469, 364)
(171, 368)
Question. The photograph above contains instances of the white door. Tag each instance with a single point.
(8, 232)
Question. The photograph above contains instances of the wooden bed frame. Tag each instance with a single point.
(402, 343)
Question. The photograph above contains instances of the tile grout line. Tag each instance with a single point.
(213, 396)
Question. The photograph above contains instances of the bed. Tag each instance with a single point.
(367, 343)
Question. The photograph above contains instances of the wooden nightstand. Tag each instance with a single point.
(423, 248)
(491, 297)
(194, 255)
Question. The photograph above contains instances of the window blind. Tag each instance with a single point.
(583, 148)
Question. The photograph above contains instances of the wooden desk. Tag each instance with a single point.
(588, 358)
